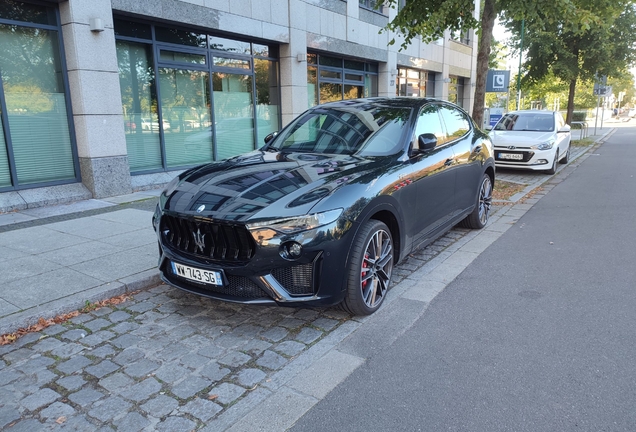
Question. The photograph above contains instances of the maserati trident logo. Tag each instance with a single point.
(199, 240)
(511, 147)
(200, 208)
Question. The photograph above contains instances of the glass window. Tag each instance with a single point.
(139, 104)
(132, 29)
(330, 61)
(231, 62)
(352, 64)
(330, 92)
(411, 82)
(180, 37)
(530, 122)
(330, 74)
(261, 50)
(267, 98)
(230, 45)
(429, 122)
(36, 104)
(312, 86)
(27, 12)
(457, 124)
(5, 173)
(180, 57)
(233, 114)
(186, 122)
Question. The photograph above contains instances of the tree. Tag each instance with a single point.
(598, 39)
(429, 19)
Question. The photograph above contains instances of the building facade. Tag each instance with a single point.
(105, 97)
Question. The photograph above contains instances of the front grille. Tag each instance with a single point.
(206, 239)
(527, 155)
(297, 280)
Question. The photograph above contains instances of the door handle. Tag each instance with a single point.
(477, 149)
(448, 162)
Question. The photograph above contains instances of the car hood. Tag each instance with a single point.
(263, 185)
(519, 138)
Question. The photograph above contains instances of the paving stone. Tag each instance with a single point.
(26, 339)
(173, 351)
(129, 355)
(102, 369)
(275, 334)
(27, 425)
(116, 382)
(54, 329)
(119, 316)
(149, 317)
(98, 338)
(35, 364)
(250, 377)
(172, 424)
(271, 360)
(109, 408)
(160, 406)
(171, 373)
(226, 393)
(256, 346)
(202, 409)
(229, 340)
(43, 377)
(290, 348)
(67, 350)
(97, 324)
(148, 330)
(190, 311)
(132, 422)
(71, 383)
(126, 340)
(212, 351)
(325, 323)
(194, 361)
(308, 335)
(141, 368)
(214, 372)
(291, 323)
(80, 319)
(20, 354)
(8, 376)
(247, 330)
(189, 387)
(143, 390)
(234, 359)
(125, 327)
(102, 311)
(8, 415)
(57, 410)
(39, 399)
(306, 314)
(141, 307)
(75, 334)
(85, 397)
(75, 364)
(102, 352)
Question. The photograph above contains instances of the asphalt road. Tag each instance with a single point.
(537, 334)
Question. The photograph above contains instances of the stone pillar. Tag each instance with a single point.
(293, 65)
(95, 95)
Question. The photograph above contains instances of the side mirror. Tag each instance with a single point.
(270, 137)
(566, 128)
(488, 127)
(426, 142)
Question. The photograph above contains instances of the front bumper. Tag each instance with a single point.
(530, 159)
(316, 278)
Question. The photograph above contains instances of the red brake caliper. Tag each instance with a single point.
(363, 273)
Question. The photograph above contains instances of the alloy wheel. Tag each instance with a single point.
(377, 265)
(485, 200)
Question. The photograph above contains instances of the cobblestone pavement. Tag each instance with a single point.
(164, 360)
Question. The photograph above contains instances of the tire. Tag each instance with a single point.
(566, 158)
(553, 168)
(480, 214)
(370, 268)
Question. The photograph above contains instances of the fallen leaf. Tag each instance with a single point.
(213, 397)
(60, 420)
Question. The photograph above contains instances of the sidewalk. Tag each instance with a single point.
(54, 260)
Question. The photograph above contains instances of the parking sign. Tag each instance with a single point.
(497, 81)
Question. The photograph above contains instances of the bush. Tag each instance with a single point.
(579, 115)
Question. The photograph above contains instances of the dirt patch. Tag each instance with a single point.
(504, 190)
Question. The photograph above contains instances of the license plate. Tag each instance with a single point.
(512, 156)
(197, 275)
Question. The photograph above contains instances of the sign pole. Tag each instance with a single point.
(598, 102)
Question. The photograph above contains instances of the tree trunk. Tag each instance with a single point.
(483, 52)
(570, 113)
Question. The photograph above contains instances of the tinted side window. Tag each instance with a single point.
(429, 122)
(457, 123)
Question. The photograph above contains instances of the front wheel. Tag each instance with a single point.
(566, 158)
(553, 168)
(370, 268)
(479, 216)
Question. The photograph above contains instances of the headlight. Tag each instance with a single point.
(298, 223)
(544, 145)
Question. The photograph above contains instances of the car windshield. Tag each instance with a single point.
(365, 130)
(531, 122)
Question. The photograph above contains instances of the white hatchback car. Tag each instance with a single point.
(531, 139)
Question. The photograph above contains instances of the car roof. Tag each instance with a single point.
(397, 102)
(531, 112)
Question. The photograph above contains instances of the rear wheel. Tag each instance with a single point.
(479, 217)
(370, 269)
